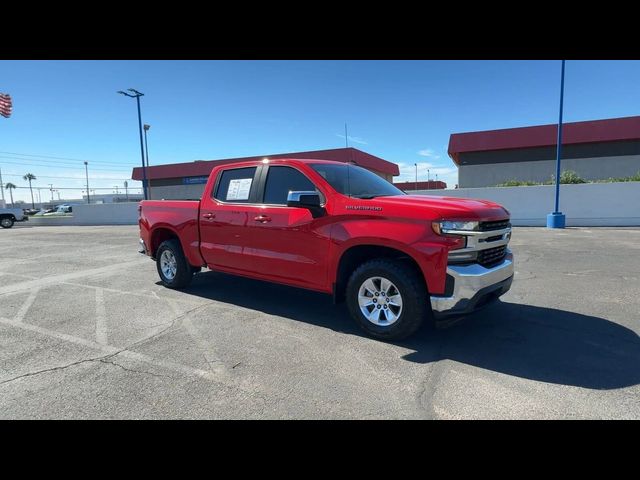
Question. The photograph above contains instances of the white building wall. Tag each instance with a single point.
(590, 204)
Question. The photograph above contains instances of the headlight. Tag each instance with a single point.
(446, 225)
(459, 225)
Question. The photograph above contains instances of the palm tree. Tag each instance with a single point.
(30, 176)
(10, 186)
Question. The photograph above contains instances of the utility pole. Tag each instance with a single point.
(126, 189)
(86, 172)
(416, 186)
(116, 187)
(146, 151)
(51, 190)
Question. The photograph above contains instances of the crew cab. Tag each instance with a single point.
(397, 260)
(8, 216)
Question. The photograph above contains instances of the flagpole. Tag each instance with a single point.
(6, 106)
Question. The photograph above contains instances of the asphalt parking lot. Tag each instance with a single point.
(86, 331)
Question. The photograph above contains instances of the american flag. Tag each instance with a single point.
(5, 105)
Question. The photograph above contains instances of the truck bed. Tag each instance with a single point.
(177, 216)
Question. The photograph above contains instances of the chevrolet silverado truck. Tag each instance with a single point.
(397, 260)
(9, 216)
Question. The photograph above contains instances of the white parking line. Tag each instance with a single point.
(111, 350)
(26, 305)
(151, 295)
(101, 318)
(57, 279)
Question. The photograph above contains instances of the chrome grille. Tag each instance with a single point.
(491, 256)
(494, 225)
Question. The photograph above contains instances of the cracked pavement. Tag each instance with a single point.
(87, 332)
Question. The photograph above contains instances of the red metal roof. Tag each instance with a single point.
(203, 167)
(429, 185)
(608, 130)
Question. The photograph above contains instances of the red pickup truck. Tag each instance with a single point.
(337, 228)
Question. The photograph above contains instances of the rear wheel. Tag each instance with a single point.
(173, 268)
(6, 222)
(387, 298)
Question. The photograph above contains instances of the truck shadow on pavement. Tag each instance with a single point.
(536, 343)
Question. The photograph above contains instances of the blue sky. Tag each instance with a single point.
(403, 111)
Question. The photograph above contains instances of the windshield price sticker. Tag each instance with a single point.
(239, 189)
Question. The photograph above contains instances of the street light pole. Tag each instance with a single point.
(4, 204)
(86, 172)
(51, 190)
(137, 95)
(416, 176)
(557, 219)
(146, 149)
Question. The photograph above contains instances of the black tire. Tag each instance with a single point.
(415, 309)
(184, 271)
(6, 222)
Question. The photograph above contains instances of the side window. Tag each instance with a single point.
(281, 180)
(235, 185)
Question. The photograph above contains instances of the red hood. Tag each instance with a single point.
(448, 207)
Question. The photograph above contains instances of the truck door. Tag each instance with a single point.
(283, 243)
(225, 216)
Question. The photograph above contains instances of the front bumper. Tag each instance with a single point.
(473, 287)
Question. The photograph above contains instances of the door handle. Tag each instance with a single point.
(262, 218)
(209, 216)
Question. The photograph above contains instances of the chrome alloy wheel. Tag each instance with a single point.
(168, 264)
(6, 222)
(380, 301)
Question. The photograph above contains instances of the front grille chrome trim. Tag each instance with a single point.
(494, 225)
(490, 244)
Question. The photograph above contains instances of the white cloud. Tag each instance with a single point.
(359, 140)
(427, 152)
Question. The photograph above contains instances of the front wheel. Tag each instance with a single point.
(6, 222)
(387, 298)
(173, 268)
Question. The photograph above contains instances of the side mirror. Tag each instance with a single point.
(309, 200)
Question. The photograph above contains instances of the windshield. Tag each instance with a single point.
(355, 181)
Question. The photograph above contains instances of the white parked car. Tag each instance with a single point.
(8, 216)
